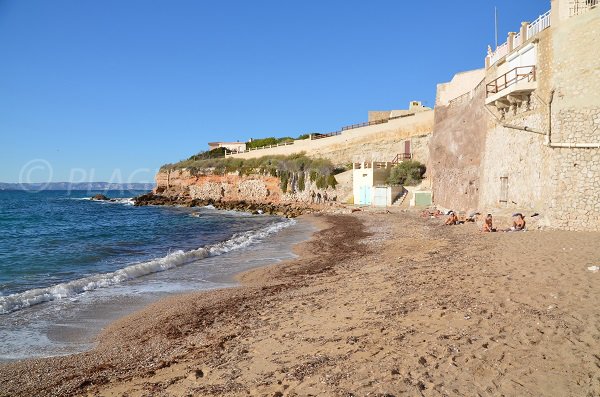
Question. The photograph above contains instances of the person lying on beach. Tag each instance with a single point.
(518, 222)
(452, 219)
(488, 226)
(431, 214)
(472, 217)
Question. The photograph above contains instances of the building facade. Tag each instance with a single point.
(528, 136)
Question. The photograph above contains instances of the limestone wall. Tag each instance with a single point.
(575, 173)
(456, 150)
(529, 172)
(376, 115)
(379, 142)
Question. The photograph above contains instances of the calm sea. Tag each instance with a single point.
(69, 265)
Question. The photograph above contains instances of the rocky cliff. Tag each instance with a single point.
(233, 191)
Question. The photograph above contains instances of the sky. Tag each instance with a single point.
(110, 90)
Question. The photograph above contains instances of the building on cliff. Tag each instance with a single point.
(524, 132)
(231, 146)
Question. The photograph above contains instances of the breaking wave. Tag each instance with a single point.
(178, 258)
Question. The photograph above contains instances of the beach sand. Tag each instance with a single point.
(378, 304)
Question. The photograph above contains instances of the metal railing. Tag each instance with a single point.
(509, 78)
(365, 124)
(400, 157)
(375, 122)
(580, 7)
(329, 134)
(382, 164)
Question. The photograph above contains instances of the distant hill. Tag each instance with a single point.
(76, 186)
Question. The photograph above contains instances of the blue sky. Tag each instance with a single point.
(100, 89)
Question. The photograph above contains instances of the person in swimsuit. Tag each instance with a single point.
(488, 225)
(518, 222)
(452, 219)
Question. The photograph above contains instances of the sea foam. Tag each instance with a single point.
(178, 258)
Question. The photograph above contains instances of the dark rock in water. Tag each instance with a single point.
(287, 210)
(100, 197)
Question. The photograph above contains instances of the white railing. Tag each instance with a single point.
(580, 7)
(517, 40)
(543, 22)
(501, 51)
(231, 152)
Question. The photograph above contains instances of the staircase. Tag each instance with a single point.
(400, 199)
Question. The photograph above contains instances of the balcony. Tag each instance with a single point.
(512, 88)
(514, 40)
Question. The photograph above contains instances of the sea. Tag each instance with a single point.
(70, 265)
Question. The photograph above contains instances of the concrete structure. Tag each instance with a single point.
(528, 138)
(369, 184)
(232, 146)
(413, 107)
(460, 87)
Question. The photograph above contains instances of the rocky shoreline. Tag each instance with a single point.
(288, 210)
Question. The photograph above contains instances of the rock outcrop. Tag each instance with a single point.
(288, 210)
(251, 193)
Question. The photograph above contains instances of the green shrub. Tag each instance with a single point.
(331, 181)
(407, 173)
(293, 171)
(284, 177)
(321, 182)
(301, 182)
(267, 141)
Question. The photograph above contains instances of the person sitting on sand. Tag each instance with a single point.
(488, 226)
(518, 222)
(452, 219)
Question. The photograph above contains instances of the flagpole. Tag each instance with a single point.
(496, 25)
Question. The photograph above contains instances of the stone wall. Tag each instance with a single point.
(456, 150)
(575, 173)
(376, 115)
(516, 170)
(380, 142)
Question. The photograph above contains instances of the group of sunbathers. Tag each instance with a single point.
(518, 224)
(518, 219)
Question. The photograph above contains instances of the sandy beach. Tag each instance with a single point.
(377, 304)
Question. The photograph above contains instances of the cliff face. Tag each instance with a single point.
(233, 187)
(255, 188)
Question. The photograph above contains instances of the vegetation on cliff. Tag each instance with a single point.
(293, 171)
(407, 173)
(255, 143)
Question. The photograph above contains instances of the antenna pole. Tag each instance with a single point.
(496, 25)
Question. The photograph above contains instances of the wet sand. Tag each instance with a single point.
(377, 304)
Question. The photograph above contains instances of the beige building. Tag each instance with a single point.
(381, 115)
(231, 146)
(527, 137)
